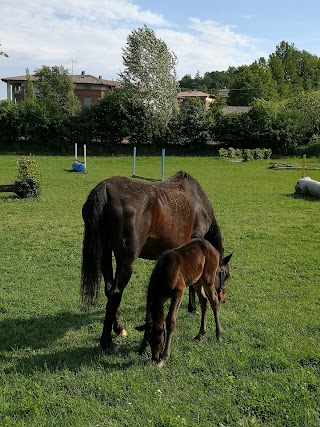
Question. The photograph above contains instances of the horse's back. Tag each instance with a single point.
(145, 219)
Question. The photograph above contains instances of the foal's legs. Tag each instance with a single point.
(192, 300)
(171, 322)
(204, 306)
(214, 302)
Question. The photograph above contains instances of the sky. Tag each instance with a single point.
(205, 35)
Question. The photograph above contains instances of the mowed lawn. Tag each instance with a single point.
(264, 373)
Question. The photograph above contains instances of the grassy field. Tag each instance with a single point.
(266, 371)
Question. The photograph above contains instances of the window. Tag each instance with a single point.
(17, 87)
(86, 101)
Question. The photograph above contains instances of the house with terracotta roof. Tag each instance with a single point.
(89, 89)
(205, 98)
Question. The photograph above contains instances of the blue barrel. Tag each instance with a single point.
(78, 166)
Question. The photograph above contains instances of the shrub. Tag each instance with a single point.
(247, 155)
(266, 152)
(223, 153)
(29, 175)
(257, 154)
(234, 153)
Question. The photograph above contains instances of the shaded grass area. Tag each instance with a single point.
(264, 373)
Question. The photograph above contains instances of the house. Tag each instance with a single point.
(205, 98)
(234, 109)
(87, 88)
(224, 93)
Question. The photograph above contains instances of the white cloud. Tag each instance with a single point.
(209, 46)
(93, 34)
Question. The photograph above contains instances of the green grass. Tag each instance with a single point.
(264, 373)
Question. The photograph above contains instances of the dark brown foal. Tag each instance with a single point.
(195, 263)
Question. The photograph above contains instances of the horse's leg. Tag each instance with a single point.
(214, 302)
(192, 300)
(171, 322)
(204, 306)
(107, 271)
(111, 312)
(122, 277)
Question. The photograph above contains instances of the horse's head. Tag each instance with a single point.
(221, 278)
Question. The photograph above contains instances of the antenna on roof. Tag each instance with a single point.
(72, 62)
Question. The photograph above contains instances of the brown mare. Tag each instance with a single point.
(196, 263)
(136, 219)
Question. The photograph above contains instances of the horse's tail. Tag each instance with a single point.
(92, 252)
(214, 237)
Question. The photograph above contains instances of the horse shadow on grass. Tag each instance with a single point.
(37, 344)
(306, 197)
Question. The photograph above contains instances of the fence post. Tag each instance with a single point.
(134, 161)
(162, 164)
(304, 161)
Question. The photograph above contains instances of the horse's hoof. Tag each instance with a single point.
(161, 363)
(123, 333)
(197, 337)
(113, 291)
(193, 313)
(114, 348)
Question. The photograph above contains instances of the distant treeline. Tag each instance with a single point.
(283, 93)
(288, 127)
(284, 73)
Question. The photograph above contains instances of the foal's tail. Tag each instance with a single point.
(92, 252)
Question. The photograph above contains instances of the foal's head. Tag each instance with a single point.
(221, 279)
(157, 339)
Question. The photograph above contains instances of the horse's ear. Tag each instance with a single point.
(227, 259)
(141, 328)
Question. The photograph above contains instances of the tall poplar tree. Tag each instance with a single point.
(149, 80)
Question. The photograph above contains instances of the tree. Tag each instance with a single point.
(277, 71)
(251, 82)
(294, 70)
(149, 78)
(193, 124)
(219, 79)
(56, 91)
(29, 92)
(186, 82)
(306, 109)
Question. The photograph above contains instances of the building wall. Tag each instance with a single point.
(93, 95)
